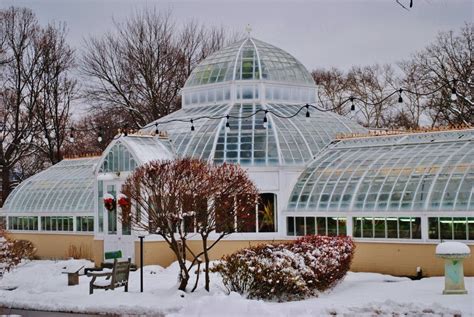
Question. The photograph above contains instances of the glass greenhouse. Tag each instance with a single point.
(61, 195)
(319, 173)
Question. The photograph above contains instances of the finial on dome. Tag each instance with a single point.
(248, 29)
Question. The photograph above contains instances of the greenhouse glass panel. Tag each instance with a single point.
(460, 228)
(446, 228)
(416, 228)
(341, 226)
(379, 228)
(321, 226)
(433, 228)
(470, 228)
(310, 225)
(392, 228)
(332, 226)
(357, 227)
(300, 226)
(404, 227)
(290, 226)
(367, 227)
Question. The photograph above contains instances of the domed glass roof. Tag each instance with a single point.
(255, 76)
(249, 59)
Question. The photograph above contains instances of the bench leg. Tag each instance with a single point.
(126, 287)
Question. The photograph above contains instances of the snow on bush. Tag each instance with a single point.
(13, 251)
(287, 271)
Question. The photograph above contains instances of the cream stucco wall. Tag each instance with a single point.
(60, 246)
(387, 258)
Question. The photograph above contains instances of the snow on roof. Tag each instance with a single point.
(452, 247)
(147, 148)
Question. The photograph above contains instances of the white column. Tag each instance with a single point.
(350, 225)
(424, 228)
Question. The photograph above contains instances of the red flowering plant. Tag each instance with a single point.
(109, 202)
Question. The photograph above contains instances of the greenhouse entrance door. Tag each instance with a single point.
(118, 236)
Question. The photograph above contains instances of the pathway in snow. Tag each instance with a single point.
(36, 313)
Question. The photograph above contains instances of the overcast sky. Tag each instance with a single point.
(318, 33)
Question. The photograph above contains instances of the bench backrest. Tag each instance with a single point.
(111, 255)
(120, 271)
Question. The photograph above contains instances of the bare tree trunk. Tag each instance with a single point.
(206, 263)
(6, 182)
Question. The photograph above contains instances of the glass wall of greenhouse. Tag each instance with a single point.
(414, 186)
(59, 199)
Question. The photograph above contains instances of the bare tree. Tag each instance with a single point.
(449, 58)
(19, 89)
(177, 198)
(57, 93)
(414, 107)
(142, 65)
(372, 84)
(333, 89)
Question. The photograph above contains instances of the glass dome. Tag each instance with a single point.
(67, 187)
(249, 59)
(249, 142)
(243, 78)
(415, 172)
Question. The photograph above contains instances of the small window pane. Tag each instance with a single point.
(332, 226)
(300, 226)
(433, 232)
(290, 226)
(416, 228)
(342, 226)
(446, 228)
(357, 230)
(310, 225)
(459, 225)
(470, 228)
(404, 228)
(379, 227)
(321, 226)
(367, 228)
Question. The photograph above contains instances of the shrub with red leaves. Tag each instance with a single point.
(287, 271)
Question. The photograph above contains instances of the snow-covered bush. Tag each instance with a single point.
(287, 271)
(13, 251)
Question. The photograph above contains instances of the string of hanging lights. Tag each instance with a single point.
(307, 107)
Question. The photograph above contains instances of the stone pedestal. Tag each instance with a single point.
(454, 276)
(453, 254)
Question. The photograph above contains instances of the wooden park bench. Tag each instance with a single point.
(108, 263)
(116, 277)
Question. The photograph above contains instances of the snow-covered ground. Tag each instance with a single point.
(41, 285)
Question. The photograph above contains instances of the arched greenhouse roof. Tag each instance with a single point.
(249, 59)
(127, 152)
(67, 187)
(293, 141)
(414, 172)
